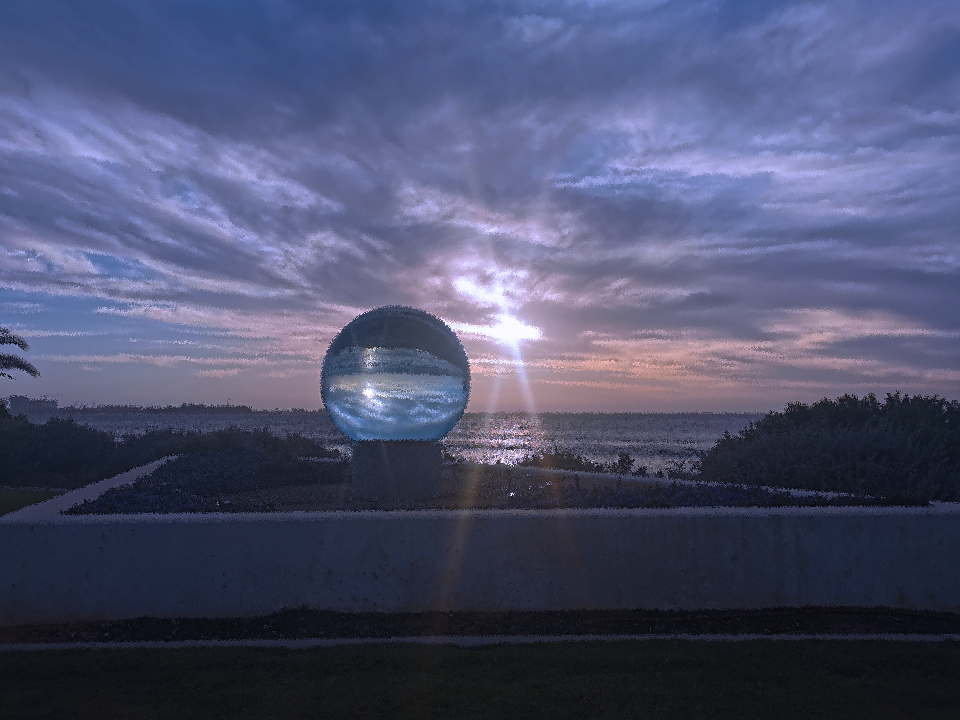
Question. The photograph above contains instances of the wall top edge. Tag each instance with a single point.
(395, 515)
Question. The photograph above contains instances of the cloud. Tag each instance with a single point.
(21, 308)
(684, 201)
(219, 373)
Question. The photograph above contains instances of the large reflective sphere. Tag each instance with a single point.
(395, 373)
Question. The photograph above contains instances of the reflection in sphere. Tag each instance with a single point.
(395, 373)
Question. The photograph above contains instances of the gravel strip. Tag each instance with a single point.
(315, 625)
(461, 641)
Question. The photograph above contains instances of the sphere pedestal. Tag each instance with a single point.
(392, 470)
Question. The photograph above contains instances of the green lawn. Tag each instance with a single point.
(15, 499)
(653, 679)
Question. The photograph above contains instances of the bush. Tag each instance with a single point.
(204, 482)
(676, 495)
(908, 447)
(64, 454)
(560, 459)
(226, 441)
(565, 459)
(59, 453)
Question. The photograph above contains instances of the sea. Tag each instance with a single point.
(659, 441)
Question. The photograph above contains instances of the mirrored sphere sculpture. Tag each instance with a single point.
(395, 373)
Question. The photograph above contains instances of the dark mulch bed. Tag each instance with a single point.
(305, 623)
(246, 481)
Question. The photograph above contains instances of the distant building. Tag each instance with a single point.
(22, 405)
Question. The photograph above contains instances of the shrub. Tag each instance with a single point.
(907, 447)
(565, 459)
(561, 459)
(204, 482)
(228, 440)
(64, 454)
(59, 453)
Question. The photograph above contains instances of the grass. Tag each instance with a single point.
(652, 679)
(15, 498)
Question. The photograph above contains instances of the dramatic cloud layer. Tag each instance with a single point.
(617, 205)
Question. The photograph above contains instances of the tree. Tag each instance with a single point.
(903, 447)
(14, 362)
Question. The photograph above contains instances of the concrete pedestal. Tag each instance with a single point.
(396, 469)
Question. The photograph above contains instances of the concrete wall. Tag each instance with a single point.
(90, 567)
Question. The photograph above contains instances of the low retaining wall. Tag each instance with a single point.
(110, 567)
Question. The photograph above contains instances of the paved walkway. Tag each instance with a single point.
(51, 508)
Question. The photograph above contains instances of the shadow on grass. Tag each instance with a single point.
(653, 679)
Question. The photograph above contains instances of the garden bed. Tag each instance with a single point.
(245, 482)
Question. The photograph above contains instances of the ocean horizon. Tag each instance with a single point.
(657, 440)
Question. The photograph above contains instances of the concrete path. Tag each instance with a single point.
(458, 640)
(51, 508)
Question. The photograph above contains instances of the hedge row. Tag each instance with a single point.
(903, 446)
(64, 454)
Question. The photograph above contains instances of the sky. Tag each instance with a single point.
(618, 206)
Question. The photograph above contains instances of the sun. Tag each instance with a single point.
(511, 331)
